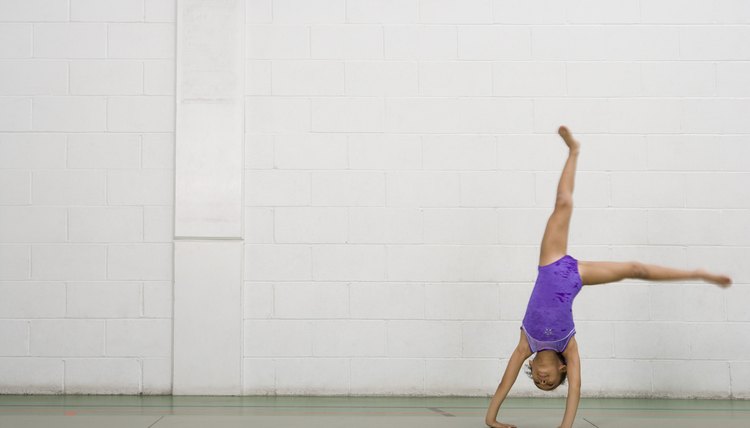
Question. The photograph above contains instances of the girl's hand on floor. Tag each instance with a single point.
(501, 425)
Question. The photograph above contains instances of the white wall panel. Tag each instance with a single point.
(210, 111)
(207, 317)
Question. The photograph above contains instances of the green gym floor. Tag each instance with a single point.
(68, 411)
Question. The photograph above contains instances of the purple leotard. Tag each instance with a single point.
(548, 322)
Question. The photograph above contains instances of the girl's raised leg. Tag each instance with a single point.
(555, 239)
(604, 272)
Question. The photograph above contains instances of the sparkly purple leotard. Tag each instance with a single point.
(548, 322)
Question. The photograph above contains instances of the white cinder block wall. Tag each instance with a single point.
(86, 194)
(401, 163)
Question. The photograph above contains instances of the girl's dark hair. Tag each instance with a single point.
(563, 375)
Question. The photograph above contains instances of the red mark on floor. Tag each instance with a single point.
(69, 413)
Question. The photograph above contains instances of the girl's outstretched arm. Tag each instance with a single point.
(574, 383)
(519, 355)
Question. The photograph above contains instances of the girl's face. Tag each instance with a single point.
(546, 371)
(545, 378)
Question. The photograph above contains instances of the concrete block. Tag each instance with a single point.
(259, 12)
(528, 78)
(16, 40)
(265, 262)
(617, 377)
(423, 263)
(345, 338)
(70, 40)
(15, 335)
(422, 189)
(346, 41)
(310, 225)
(735, 227)
(389, 376)
(102, 376)
(488, 339)
(68, 187)
(157, 151)
(310, 151)
(141, 40)
(648, 190)
(277, 115)
(97, 151)
(466, 377)
(278, 338)
(157, 376)
(110, 224)
(274, 188)
(373, 225)
(420, 338)
(312, 376)
(70, 114)
(103, 300)
(259, 225)
(423, 42)
(305, 12)
(716, 190)
(15, 187)
(31, 376)
(160, 11)
(348, 188)
(106, 77)
(310, 300)
(738, 371)
(683, 153)
(616, 302)
(348, 263)
(694, 12)
(258, 300)
(340, 114)
(732, 79)
(159, 77)
(15, 114)
(691, 379)
(15, 262)
(603, 79)
(461, 301)
(678, 79)
(603, 12)
(32, 151)
(272, 41)
(307, 78)
(140, 114)
(523, 12)
(139, 338)
(158, 224)
(69, 262)
(258, 74)
(455, 12)
(381, 78)
(386, 300)
(605, 42)
(259, 375)
(140, 187)
(385, 11)
(596, 339)
(157, 299)
(139, 262)
(511, 42)
(713, 42)
(24, 224)
(35, 10)
(497, 189)
(462, 153)
(460, 226)
(384, 152)
(66, 338)
(106, 10)
(686, 227)
(34, 78)
(259, 151)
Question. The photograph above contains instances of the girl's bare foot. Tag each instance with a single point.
(722, 281)
(572, 143)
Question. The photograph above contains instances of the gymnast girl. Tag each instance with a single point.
(547, 329)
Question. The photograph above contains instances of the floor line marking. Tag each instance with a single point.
(441, 411)
(157, 421)
(590, 422)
